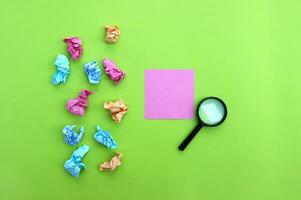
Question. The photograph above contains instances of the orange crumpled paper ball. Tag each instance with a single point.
(117, 109)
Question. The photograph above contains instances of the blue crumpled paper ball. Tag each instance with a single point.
(105, 138)
(71, 137)
(93, 72)
(62, 70)
(74, 164)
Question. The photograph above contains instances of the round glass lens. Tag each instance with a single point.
(211, 111)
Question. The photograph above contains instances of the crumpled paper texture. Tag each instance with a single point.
(74, 47)
(112, 164)
(117, 109)
(112, 33)
(74, 164)
(105, 138)
(78, 106)
(62, 70)
(113, 71)
(93, 72)
(71, 137)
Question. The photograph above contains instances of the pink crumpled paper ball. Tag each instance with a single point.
(113, 71)
(78, 106)
(74, 47)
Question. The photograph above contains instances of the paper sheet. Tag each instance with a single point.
(169, 94)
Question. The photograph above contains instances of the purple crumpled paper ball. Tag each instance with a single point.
(78, 106)
(74, 47)
(113, 71)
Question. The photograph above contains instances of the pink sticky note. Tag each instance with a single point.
(169, 94)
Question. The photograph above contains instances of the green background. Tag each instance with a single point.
(246, 52)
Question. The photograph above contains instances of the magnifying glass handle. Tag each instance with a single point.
(190, 137)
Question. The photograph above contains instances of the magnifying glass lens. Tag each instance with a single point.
(211, 111)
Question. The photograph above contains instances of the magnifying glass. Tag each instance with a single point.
(211, 112)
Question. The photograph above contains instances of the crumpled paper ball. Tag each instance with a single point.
(104, 137)
(93, 72)
(71, 137)
(117, 109)
(74, 164)
(62, 70)
(74, 47)
(113, 71)
(112, 164)
(78, 106)
(112, 33)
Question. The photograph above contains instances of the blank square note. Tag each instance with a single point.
(169, 94)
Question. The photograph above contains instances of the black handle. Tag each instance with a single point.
(190, 137)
